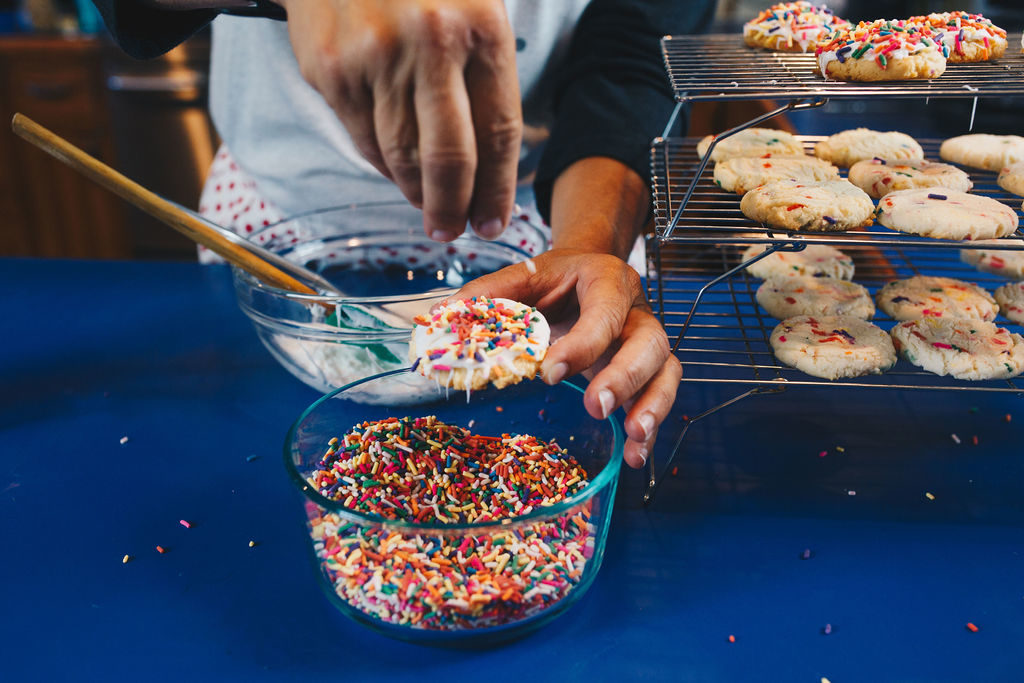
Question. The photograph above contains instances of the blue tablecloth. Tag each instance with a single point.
(160, 354)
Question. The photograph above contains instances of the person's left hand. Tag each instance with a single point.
(609, 330)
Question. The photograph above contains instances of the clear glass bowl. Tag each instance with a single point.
(389, 272)
(573, 531)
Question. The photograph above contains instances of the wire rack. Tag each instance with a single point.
(713, 215)
(721, 67)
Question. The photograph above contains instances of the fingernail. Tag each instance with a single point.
(646, 421)
(442, 236)
(490, 229)
(557, 372)
(607, 400)
(642, 452)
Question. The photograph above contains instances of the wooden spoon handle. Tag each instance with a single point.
(153, 204)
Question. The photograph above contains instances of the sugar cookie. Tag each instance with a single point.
(857, 144)
(881, 50)
(928, 296)
(814, 260)
(1011, 301)
(1011, 178)
(964, 37)
(1008, 263)
(878, 177)
(833, 346)
(963, 349)
(791, 27)
(984, 151)
(752, 142)
(741, 174)
(785, 297)
(823, 206)
(946, 214)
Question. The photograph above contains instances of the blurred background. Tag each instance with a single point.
(149, 120)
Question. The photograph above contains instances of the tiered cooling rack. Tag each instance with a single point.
(697, 279)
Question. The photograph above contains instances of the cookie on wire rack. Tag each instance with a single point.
(965, 37)
(984, 151)
(1011, 301)
(961, 348)
(1011, 178)
(469, 343)
(881, 50)
(823, 206)
(791, 27)
(879, 177)
(931, 296)
(785, 297)
(848, 147)
(833, 346)
(742, 174)
(1008, 263)
(751, 142)
(946, 214)
(814, 260)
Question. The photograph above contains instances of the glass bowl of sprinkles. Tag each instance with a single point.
(464, 522)
(389, 272)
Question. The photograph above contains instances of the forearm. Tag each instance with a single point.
(598, 204)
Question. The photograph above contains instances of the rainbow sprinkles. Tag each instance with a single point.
(882, 50)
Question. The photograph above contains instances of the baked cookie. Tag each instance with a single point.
(963, 349)
(815, 260)
(946, 214)
(984, 151)
(1010, 298)
(850, 146)
(1011, 178)
(785, 297)
(928, 296)
(964, 37)
(741, 174)
(881, 50)
(468, 343)
(879, 177)
(791, 27)
(833, 346)
(823, 206)
(1008, 263)
(752, 142)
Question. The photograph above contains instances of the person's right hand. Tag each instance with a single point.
(429, 92)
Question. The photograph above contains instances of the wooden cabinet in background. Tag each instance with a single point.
(47, 209)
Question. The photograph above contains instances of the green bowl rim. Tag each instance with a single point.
(607, 474)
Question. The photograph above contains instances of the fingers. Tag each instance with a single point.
(393, 123)
(493, 87)
(649, 410)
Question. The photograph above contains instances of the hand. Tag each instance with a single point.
(611, 331)
(429, 92)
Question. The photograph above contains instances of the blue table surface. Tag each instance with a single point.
(160, 353)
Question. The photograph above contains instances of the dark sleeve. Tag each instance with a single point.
(614, 94)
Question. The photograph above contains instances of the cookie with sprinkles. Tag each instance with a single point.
(881, 50)
(960, 348)
(1011, 301)
(984, 151)
(785, 297)
(469, 343)
(879, 177)
(833, 346)
(752, 142)
(815, 260)
(929, 296)
(946, 214)
(848, 147)
(965, 37)
(823, 206)
(742, 174)
(1008, 263)
(791, 27)
(1011, 178)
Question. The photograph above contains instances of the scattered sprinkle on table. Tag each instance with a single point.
(124, 440)
(806, 554)
(1008, 417)
(929, 496)
(827, 630)
(250, 458)
(840, 449)
(160, 549)
(732, 638)
(185, 523)
(974, 439)
(124, 560)
(851, 492)
(971, 627)
(675, 471)
(955, 438)
(822, 454)
(252, 544)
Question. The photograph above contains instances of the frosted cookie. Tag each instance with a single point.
(926, 296)
(785, 297)
(963, 349)
(946, 214)
(833, 346)
(1008, 263)
(791, 27)
(1011, 301)
(1011, 178)
(469, 343)
(964, 37)
(981, 150)
(880, 50)
(823, 206)
(815, 260)
(752, 142)
(741, 174)
(850, 146)
(878, 177)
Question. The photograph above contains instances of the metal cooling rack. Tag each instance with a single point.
(721, 67)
